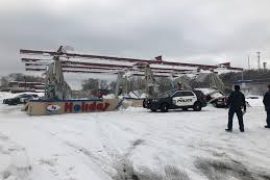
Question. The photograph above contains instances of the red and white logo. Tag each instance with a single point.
(53, 108)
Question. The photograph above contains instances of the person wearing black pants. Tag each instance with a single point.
(266, 102)
(236, 102)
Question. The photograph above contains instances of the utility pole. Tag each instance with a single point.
(24, 78)
(243, 84)
(259, 59)
(248, 62)
(264, 65)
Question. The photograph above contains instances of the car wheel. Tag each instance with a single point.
(144, 104)
(164, 107)
(153, 110)
(197, 106)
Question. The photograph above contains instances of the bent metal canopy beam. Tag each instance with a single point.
(31, 64)
(109, 64)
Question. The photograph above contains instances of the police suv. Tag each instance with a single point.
(183, 99)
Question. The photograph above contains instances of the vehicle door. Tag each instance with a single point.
(23, 98)
(177, 99)
(190, 98)
(184, 98)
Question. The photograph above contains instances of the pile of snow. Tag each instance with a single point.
(109, 96)
(4, 95)
(143, 95)
(133, 94)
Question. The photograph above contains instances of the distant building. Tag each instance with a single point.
(23, 86)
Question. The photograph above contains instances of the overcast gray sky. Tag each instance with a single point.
(199, 31)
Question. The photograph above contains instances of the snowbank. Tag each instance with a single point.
(4, 95)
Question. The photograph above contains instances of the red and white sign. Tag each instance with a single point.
(85, 107)
(53, 108)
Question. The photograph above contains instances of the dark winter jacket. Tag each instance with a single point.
(237, 100)
(266, 100)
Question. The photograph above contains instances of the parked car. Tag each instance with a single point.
(215, 97)
(221, 102)
(20, 99)
(178, 99)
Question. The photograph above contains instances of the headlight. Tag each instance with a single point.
(154, 100)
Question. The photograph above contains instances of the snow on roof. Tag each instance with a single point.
(206, 91)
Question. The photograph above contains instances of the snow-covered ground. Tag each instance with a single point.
(133, 144)
(254, 100)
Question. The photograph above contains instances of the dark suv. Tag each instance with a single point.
(20, 99)
(221, 102)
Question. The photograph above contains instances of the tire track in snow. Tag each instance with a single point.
(124, 165)
(228, 168)
(73, 151)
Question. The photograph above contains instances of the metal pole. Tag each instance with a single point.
(243, 84)
(259, 59)
(264, 65)
(248, 63)
(24, 83)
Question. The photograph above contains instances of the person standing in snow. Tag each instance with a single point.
(266, 102)
(236, 102)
